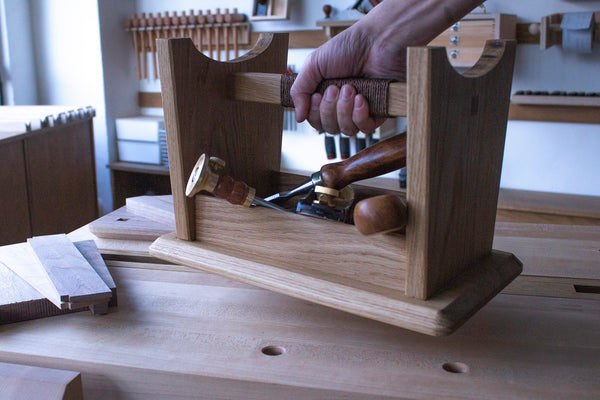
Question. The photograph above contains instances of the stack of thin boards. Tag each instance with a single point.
(51, 275)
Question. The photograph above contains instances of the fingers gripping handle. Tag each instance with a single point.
(375, 91)
(387, 99)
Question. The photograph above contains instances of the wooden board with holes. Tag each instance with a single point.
(28, 383)
(123, 224)
(213, 337)
(74, 279)
(154, 208)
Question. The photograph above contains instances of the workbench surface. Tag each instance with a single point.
(180, 334)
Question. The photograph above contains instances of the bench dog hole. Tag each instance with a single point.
(456, 367)
(273, 350)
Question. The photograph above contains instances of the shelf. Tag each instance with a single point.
(139, 168)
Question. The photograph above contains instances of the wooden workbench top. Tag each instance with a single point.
(193, 335)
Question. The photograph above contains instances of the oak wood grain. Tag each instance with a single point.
(203, 119)
(455, 151)
(205, 335)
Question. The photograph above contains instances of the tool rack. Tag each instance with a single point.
(430, 280)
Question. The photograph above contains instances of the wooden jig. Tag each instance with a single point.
(430, 280)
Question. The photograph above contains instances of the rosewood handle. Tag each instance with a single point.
(235, 192)
(381, 158)
(380, 214)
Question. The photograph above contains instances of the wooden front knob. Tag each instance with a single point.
(380, 214)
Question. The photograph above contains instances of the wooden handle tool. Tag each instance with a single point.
(133, 25)
(380, 214)
(218, 26)
(151, 33)
(199, 29)
(209, 21)
(207, 176)
(383, 157)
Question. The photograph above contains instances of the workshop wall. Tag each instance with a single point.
(72, 65)
(553, 157)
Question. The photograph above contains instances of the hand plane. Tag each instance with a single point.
(325, 194)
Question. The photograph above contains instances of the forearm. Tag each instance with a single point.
(401, 23)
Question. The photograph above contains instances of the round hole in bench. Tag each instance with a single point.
(456, 367)
(273, 350)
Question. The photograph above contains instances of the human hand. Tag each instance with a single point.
(374, 47)
(349, 54)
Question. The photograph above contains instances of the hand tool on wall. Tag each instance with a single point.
(199, 28)
(383, 157)
(132, 25)
(226, 30)
(151, 34)
(344, 147)
(142, 31)
(182, 23)
(360, 141)
(158, 28)
(236, 18)
(209, 21)
(191, 22)
(330, 150)
(207, 176)
(166, 25)
(217, 27)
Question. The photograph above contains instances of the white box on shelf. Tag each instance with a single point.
(139, 151)
(141, 128)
